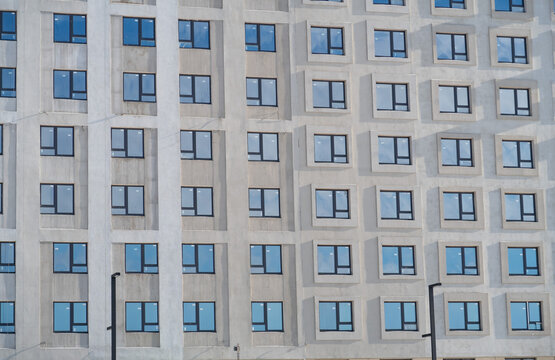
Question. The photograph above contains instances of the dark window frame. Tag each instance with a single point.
(525, 267)
(530, 323)
(451, 2)
(401, 267)
(515, 57)
(194, 151)
(126, 143)
(388, 2)
(332, 102)
(141, 93)
(193, 95)
(8, 265)
(55, 147)
(522, 213)
(512, 5)
(394, 103)
(462, 213)
(144, 264)
(140, 37)
(392, 50)
(71, 33)
(72, 91)
(336, 265)
(454, 52)
(333, 154)
(195, 201)
(516, 103)
(14, 89)
(262, 207)
(338, 321)
(335, 210)
(55, 199)
(464, 266)
(261, 146)
(143, 317)
(197, 316)
(192, 39)
(265, 321)
(398, 201)
(258, 43)
(72, 262)
(260, 96)
(196, 264)
(467, 322)
(5, 323)
(519, 159)
(4, 32)
(404, 323)
(126, 200)
(72, 323)
(263, 266)
(461, 159)
(396, 156)
(456, 104)
(328, 39)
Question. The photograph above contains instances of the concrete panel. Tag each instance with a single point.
(217, 4)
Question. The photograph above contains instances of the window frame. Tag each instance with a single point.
(194, 150)
(526, 15)
(192, 40)
(437, 114)
(126, 143)
(262, 207)
(196, 264)
(510, 32)
(334, 204)
(467, 321)
(392, 49)
(197, 323)
(140, 37)
(347, 30)
(404, 322)
(14, 89)
(195, 201)
(329, 46)
(507, 278)
(468, 31)
(328, 278)
(71, 261)
(467, 11)
(143, 317)
(475, 147)
(414, 223)
(516, 171)
(265, 321)
(55, 199)
(338, 321)
(483, 307)
(394, 101)
(261, 146)
(387, 8)
(331, 94)
(312, 131)
(259, 81)
(411, 93)
(55, 135)
(398, 241)
(331, 76)
(543, 299)
(391, 168)
(125, 206)
(401, 267)
(514, 57)
(71, 29)
(263, 266)
(397, 202)
(462, 279)
(71, 317)
(140, 90)
(420, 313)
(193, 95)
(144, 264)
(3, 323)
(351, 221)
(478, 203)
(371, 28)
(258, 43)
(9, 265)
(333, 154)
(2, 32)
(533, 107)
(539, 205)
(336, 265)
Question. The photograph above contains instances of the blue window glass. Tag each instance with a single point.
(127, 143)
(452, 4)
(510, 5)
(461, 260)
(511, 50)
(70, 317)
(7, 317)
(332, 204)
(464, 316)
(138, 32)
(327, 40)
(264, 203)
(261, 92)
(196, 145)
(128, 200)
(396, 205)
(451, 47)
(141, 258)
(197, 258)
(263, 147)
(265, 259)
(514, 102)
(194, 89)
(56, 199)
(454, 99)
(392, 97)
(260, 37)
(194, 34)
(400, 316)
(394, 150)
(196, 201)
(334, 260)
(526, 315)
(7, 82)
(267, 316)
(328, 94)
(459, 206)
(199, 317)
(8, 25)
(70, 85)
(398, 260)
(70, 258)
(56, 141)
(141, 317)
(517, 154)
(70, 28)
(7, 257)
(520, 207)
(390, 2)
(335, 315)
(139, 87)
(456, 152)
(330, 148)
(523, 261)
(389, 43)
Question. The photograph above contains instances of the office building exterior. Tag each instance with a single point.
(277, 179)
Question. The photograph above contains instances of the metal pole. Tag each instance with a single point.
(113, 327)
(432, 333)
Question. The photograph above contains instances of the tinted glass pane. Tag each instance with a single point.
(446, 99)
(319, 40)
(204, 145)
(322, 148)
(326, 260)
(273, 259)
(512, 207)
(61, 257)
(390, 259)
(451, 209)
(444, 47)
(131, 87)
(507, 101)
(271, 203)
(456, 316)
(327, 316)
(61, 28)
(61, 317)
(135, 200)
(204, 201)
(384, 96)
(79, 253)
(206, 317)
(270, 147)
(133, 258)
(64, 199)
(130, 31)
(202, 89)
(453, 260)
(269, 90)
(324, 203)
(61, 84)
(65, 141)
(133, 317)
(47, 194)
(205, 258)
(516, 261)
(202, 34)
(392, 314)
(382, 43)
(134, 143)
(321, 94)
(267, 38)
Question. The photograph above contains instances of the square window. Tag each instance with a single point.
(459, 206)
(127, 143)
(398, 260)
(396, 205)
(464, 316)
(330, 148)
(196, 145)
(328, 94)
(196, 201)
(267, 316)
(520, 207)
(141, 258)
(70, 85)
(461, 260)
(139, 32)
(266, 259)
(335, 315)
(128, 200)
(70, 317)
(390, 43)
(511, 50)
(451, 47)
(334, 260)
(327, 40)
(8, 25)
(394, 150)
(332, 204)
(523, 261)
(526, 316)
(70, 28)
(264, 203)
(7, 82)
(194, 89)
(56, 199)
(260, 37)
(194, 34)
(456, 152)
(56, 141)
(261, 92)
(400, 316)
(139, 87)
(198, 258)
(454, 99)
(7, 317)
(517, 154)
(514, 102)
(199, 317)
(523, 209)
(450, 4)
(70, 258)
(263, 146)
(7, 257)
(392, 97)
(141, 317)
(510, 5)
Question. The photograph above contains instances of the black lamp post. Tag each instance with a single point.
(432, 333)
(113, 326)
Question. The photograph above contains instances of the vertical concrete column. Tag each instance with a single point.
(27, 175)
(169, 191)
(99, 240)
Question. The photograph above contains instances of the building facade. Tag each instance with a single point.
(277, 179)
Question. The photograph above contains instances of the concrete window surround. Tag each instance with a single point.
(469, 11)
(373, 25)
(510, 31)
(502, 171)
(539, 224)
(468, 30)
(543, 298)
(478, 223)
(354, 278)
(416, 223)
(391, 168)
(481, 298)
(476, 155)
(352, 221)
(410, 81)
(379, 8)
(460, 279)
(437, 115)
(415, 242)
(521, 279)
(528, 15)
(357, 316)
(347, 56)
(309, 76)
(312, 130)
(420, 318)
